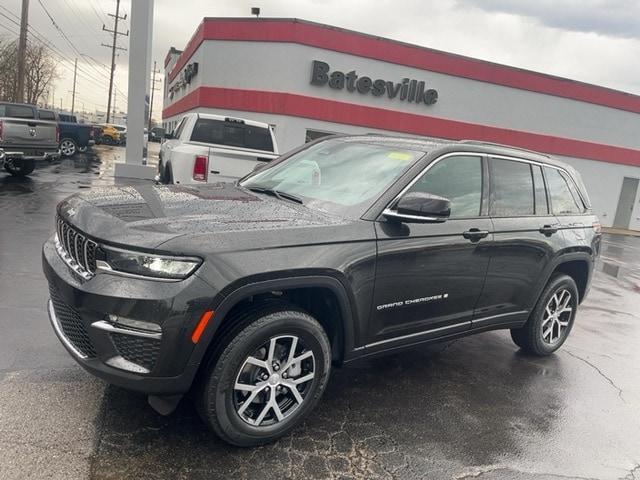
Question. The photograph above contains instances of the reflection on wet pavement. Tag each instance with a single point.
(473, 408)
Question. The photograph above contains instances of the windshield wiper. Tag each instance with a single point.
(277, 193)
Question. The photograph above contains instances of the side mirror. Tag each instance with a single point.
(168, 136)
(418, 207)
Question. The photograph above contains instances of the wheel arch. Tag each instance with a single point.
(576, 264)
(319, 295)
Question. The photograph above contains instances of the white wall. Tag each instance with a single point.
(283, 67)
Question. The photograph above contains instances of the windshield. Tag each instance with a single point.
(338, 176)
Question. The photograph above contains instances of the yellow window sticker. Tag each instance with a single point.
(400, 156)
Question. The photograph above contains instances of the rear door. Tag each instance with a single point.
(429, 276)
(526, 235)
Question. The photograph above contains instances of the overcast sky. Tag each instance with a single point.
(595, 41)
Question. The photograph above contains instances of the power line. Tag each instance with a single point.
(62, 57)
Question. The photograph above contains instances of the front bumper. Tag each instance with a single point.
(84, 315)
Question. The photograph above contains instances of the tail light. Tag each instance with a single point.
(57, 134)
(92, 133)
(1, 131)
(200, 167)
(597, 227)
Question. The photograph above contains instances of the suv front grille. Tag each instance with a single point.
(71, 325)
(138, 350)
(76, 250)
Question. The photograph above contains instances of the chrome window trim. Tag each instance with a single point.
(387, 212)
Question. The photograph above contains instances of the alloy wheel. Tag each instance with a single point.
(274, 381)
(67, 148)
(557, 316)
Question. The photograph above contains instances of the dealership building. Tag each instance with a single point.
(308, 80)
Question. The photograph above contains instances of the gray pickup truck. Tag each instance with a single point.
(25, 139)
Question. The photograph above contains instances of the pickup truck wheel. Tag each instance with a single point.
(19, 168)
(552, 318)
(269, 376)
(68, 147)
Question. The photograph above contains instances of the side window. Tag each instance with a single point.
(542, 208)
(562, 201)
(511, 188)
(574, 191)
(457, 178)
(178, 131)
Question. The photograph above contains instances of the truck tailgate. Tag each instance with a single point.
(29, 133)
(230, 164)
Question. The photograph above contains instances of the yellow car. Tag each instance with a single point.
(111, 134)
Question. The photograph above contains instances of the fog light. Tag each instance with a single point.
(134, 324)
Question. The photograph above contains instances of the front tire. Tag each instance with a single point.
(270, 374)
(19, 168)
(68, 147)
(552, 318)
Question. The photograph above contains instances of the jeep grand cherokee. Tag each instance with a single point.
(247, 294)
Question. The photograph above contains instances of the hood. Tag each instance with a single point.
(147, 216)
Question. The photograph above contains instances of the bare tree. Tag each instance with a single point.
(40, 68)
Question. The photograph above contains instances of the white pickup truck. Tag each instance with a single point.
(213, 148)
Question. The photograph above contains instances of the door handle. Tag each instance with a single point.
(475, 234)
(548, 230)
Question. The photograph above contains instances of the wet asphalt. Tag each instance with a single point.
(472, 408)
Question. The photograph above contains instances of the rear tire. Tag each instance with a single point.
(68, 147)
(19, 168)
(552, 318)
(246, 391)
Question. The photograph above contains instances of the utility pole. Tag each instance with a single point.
(22, 51)
(153, 89)
(73, 95)
(114, 106)
(113, 48)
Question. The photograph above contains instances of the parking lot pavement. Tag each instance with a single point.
(473, 408)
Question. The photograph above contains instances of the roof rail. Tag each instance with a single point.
(480, 142)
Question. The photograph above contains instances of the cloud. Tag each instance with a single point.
(616, 18)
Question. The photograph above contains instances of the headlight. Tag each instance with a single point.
(149, 265)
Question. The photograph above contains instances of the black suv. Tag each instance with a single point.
(246, 294)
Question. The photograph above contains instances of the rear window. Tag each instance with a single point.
(46, 115)
(563, 201)
(16, 111)
(232, 134)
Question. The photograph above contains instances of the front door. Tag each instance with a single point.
(429, 276)
(626, 202)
